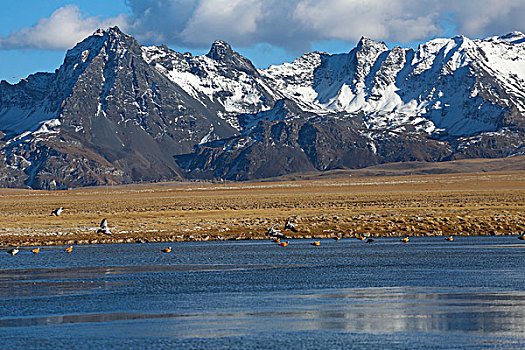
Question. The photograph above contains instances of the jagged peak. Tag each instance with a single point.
(515, 37)
(220, 50)
(110, 37)
(223, 53)
(366, 42)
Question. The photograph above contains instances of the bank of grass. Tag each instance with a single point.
(445, 204)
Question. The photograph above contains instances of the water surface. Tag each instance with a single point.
(428, 293)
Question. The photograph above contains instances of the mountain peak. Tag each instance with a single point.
(515, 37)
(220, 50)
(223, 53)
(367, 43)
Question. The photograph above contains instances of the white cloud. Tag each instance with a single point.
(487, 17)
(292, 24)
(295, 24)
(62, 30)
(236, 20)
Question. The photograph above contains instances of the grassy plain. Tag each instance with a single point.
(444, 204)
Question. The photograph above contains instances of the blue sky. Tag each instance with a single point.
(35, 34)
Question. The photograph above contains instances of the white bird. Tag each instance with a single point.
(289, 226)
(57, 211)
(13, 251)
(272, 232)
(104, 227)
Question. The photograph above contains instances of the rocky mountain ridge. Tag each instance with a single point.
(119, 112)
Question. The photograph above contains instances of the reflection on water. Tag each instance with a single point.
(345, 295)
(417, 310)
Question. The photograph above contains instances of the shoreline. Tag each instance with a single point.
(489, 204)
(35, 241)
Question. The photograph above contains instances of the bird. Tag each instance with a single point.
(336, 238)
(57, 211)
(69, 249)
(276, 240)
(166, 250)
(404, 240)
(35, 251)
(316, 243)
(104, 227)
(370, 240)
(522, 237)
(272, 232)
(13, 251)
(450, 239)
(361, 238)
(283, 244)
(289, 226)
(24, 79)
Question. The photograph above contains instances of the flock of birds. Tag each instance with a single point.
(103, 229)
(272, 232)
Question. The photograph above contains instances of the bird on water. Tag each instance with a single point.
(13, 251)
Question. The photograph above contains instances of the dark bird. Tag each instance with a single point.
(57, 211)
(289, 226)
(104, 227)
(370, 240)
(272, 232)
(13, 251)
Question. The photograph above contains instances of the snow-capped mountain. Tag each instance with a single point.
(119, 112)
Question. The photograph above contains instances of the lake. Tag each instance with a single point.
(429, 293)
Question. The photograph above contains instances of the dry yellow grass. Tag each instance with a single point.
(457, 204)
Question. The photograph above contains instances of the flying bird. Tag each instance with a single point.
(289, 226)
(24, 79)
(104, 227)
(272, 232)
(13, 251)
(57, 211)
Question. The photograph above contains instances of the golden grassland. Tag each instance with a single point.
(451, 204)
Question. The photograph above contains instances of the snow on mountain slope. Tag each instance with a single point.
(458, 85)
(118, 112)
(223, 76)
